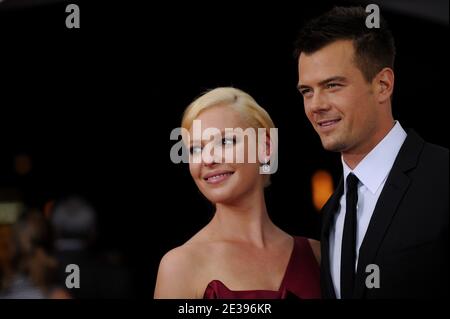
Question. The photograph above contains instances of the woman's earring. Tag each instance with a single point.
(266, 167)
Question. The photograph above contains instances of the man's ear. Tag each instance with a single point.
(384, 84)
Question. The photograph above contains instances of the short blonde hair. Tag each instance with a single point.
(242, 102)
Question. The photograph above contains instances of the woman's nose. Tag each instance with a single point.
(210, 158)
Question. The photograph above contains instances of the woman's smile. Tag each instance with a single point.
(218, 176)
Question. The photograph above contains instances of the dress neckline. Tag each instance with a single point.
(283, 280)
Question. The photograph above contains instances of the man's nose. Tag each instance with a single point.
(319, 103)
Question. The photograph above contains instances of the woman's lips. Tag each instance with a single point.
(215, 178)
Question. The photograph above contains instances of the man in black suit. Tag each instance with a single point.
(385, 229)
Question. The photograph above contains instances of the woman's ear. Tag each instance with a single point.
(264, 148)
(384, 85)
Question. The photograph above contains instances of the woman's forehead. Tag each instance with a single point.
(221, 117)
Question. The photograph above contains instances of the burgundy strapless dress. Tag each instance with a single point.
(301, 279)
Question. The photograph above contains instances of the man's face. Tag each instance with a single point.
(338, 101)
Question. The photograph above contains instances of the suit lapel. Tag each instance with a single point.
(328, 211)
(394, 189)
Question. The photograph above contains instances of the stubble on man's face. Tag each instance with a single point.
(346, 101)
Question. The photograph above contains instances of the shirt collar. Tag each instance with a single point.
(375, 166)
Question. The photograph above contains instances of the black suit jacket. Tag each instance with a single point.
(407, 237)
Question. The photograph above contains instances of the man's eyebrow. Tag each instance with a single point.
(323, 82)
(332, 79)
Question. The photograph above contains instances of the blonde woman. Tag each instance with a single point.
(240, 253)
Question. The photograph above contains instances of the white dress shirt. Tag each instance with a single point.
(372, 173)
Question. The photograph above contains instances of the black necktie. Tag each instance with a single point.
(348, 253)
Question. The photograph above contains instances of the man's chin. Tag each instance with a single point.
(333, 146)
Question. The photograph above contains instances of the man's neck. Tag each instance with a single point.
(353, 157)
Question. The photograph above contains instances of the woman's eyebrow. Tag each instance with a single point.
(211, 138)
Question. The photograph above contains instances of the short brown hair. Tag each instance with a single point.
(374, 47)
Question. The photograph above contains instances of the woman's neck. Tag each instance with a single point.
(245, 221)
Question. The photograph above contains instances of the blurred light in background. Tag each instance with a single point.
(23, 164)
(48, 208)
(9, 212)
(322, 188)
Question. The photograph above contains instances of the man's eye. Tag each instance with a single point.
(332, 85)
(195, 150)
(305, 92)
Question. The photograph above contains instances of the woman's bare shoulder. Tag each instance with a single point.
(178, 273)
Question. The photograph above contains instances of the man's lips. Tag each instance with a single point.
(217, 176)
(326, 123)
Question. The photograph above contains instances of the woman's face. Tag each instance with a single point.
(221, 176)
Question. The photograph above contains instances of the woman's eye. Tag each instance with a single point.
(229, 141)
(195, 150)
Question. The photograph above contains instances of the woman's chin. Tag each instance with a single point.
(221, 197)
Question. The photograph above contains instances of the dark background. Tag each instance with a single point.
(93, 108)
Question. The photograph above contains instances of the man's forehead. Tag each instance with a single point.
(332, 60)
(341, 49)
